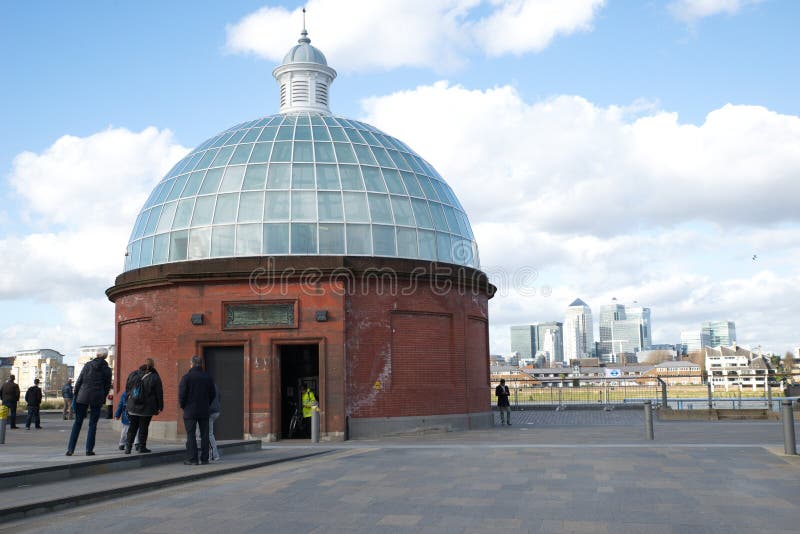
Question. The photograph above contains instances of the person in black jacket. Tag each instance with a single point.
(195, 394)
(145, 399)
(10, 397)
(34, 399)
(89, 395)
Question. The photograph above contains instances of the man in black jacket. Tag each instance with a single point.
(10, 397)
(145, 399)
(34, 399)
(195, 393)
(90, 394)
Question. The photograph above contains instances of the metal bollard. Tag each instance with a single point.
(789, 445)
(3, 419)
(315, 424)
(648, 419)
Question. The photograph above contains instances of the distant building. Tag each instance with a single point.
(550, 340)
(623, 329)
(45, 364)
(681, 373)
(693, 341)
(736, 367)
(523, 340)
(89, 353)
(578, 331)
(719, 333)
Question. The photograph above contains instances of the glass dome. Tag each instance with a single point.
(301, 184)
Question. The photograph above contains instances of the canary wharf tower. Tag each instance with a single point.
(308, 248)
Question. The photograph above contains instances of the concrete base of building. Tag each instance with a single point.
(372, 427)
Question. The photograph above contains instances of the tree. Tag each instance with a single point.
(775, 361)
(788, 365)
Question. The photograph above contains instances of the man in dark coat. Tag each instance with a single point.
(144, 404)
(66, 392)
(10, 397)
(34, 399)
(195, 394)
(89, 395)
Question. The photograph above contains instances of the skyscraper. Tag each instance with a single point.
(549, 338)
(693, 341)
(719, 333)
(578, 335)
(623, 329)
(523, 340)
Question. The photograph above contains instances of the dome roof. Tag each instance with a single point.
(303, 52)
(301, 184)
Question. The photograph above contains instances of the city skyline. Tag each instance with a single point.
(640, 151)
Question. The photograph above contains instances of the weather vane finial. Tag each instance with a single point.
(304, 34)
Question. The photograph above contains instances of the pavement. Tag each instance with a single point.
(550, 472)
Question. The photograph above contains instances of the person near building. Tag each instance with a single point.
(10, 397)
(213, 414)
(122, 415)
(502, 393)
(145, 394)
(195, 395)
(33, 397)
(89, 395)
(309, 401)
(66, 393)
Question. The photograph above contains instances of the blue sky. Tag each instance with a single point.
(622, 88)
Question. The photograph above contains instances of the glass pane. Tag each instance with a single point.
(178, 243)
(152, 221)
(427, 188)
(427, 245)
(331, 238)
(161, 249)
(276, 238)
(412, 185)
(235, 138)
(302, 176)
(303, 151)
(251, 135)
(355, 207)
(277, 207)
(421, 213)
(199, 243)
(327, 177)
(302, 120)
(282, 151)
(351, 178)
(254, 177)
(324, 152)
(402, 211)
(211, 181)
(379, 209)
(278, 177)
(223, 156)
(261, 153)
(193, 185)
(320, 133)
(165, 222)
(203, 210)
(407, 243)
(285, 133)
(304, 206)
(383, 157)
(180, 182)
(183, 214)
(337, 134)
(437, 185)
(241, 154)
(344, 153)
(383, 240)
(462, 251)
(373, 179)
(232, 179)
(316, 120)
(146, 254)
(226, 208)
(364, 155)
(248, 240)
(302, 133)
(398, 160)
(358, 239)
(443, 247)
(222, 240)
(251, 207)
(208, 157)
(304, 238)
(354, 136)
(452, 222)
(369, 138)
(393, 181)
(134, 257)
(268, 134)
(330, 205)
(438, 216)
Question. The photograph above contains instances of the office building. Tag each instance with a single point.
(578, 334)
(623, 329)
(550, 340)
(719, 333)
(523, 340)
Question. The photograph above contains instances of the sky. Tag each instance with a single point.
(645, 151)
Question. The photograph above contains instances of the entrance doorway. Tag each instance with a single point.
(299, 365)
(226, 366)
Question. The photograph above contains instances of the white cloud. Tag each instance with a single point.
(358, 34)
(692, 10)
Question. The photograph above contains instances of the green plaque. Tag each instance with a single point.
(260, 315)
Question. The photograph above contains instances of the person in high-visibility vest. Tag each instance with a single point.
(309, 401)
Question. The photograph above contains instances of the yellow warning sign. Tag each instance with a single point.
(377, 386)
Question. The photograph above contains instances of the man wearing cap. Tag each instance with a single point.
(10, 397)
(89, 395)
(34, 399)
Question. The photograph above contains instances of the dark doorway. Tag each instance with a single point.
(226, 366)
(299, 364)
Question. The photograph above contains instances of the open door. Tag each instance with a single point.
(299, 365)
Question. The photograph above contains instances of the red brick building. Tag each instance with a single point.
(307, 248)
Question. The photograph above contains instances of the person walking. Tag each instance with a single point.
(10, 397)
(145, 399)
(309, 401)
(195, 395)
(89, 395)
(33, 397)
(502, 393)
(66, 393)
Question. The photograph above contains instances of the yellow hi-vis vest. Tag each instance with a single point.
(308, 400)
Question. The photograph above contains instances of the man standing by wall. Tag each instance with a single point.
(10, 396)
(502, 393)
(66, 393)
(145, 399)
(33, 397)
(195, 394)
(89, 395)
